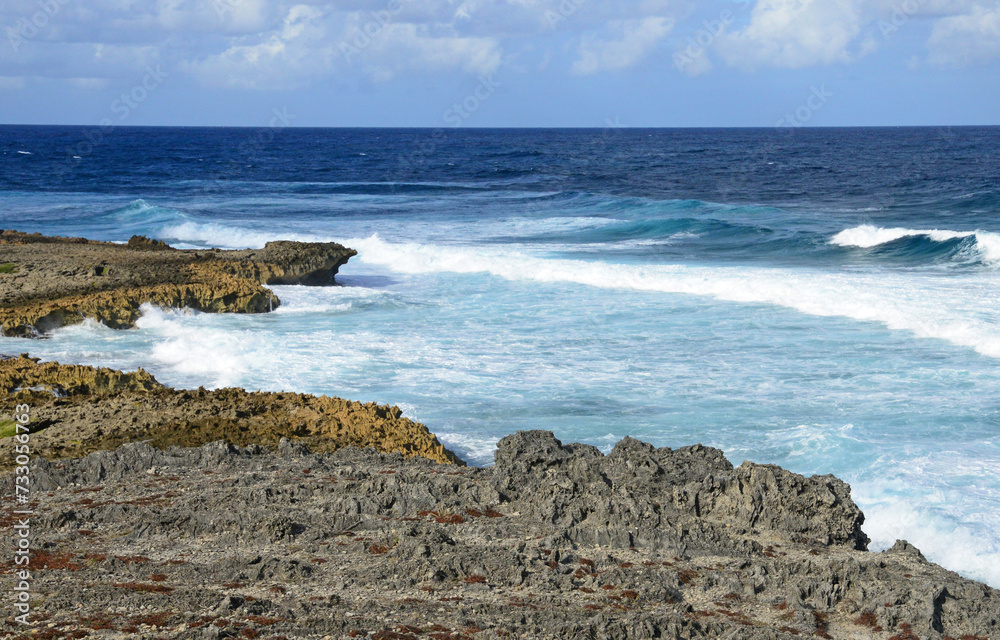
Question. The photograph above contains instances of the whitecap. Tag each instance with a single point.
(196, 235)
(962, 310)
(867, 236)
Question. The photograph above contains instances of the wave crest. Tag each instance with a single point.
(926, 307)
(986, 243)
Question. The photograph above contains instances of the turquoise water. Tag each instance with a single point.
(854, 330)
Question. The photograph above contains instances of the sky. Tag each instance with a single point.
(500, 63)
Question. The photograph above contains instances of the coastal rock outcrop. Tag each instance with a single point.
(631, 496)
(52, 282)
(76, 410)
(247, 542)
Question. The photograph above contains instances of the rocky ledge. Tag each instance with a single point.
(554, 541)
(49, 282)
(76, 410)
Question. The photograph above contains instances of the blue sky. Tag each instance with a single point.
(484, 63)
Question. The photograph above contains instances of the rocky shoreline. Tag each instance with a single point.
(78, 409)
(50, 282)
(554, 541)
(164, 513)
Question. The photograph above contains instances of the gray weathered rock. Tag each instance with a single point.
(554, 541)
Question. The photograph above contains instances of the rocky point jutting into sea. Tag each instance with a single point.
(167, 513)
(52, 282)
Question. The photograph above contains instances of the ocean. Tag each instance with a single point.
(824, 299)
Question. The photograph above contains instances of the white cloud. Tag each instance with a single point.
(412, 47)
(804, 33)
(636, 39)
(966, 39)
(384, 49)
(692, 65)
(796, 33)
(283, 58)
(276, 44)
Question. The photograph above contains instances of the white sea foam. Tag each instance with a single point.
(989, 244)
(940, 500)
(320, 307)
(89, 329)
(475, 449)
(969, 548)
(304, 300)
(811, 441)
(217, 354)
(867, 236)
(672, 239)
(196, 234)
(557, 224)
(191, 234)
(137, 206)
(962, 310)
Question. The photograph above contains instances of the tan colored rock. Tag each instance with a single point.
(24, 372)
(79, 409)
(56, 282)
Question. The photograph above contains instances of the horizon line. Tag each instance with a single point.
(509, 127)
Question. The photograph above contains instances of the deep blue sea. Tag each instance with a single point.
(823, 299)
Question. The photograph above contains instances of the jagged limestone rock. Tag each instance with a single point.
(357, 543)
